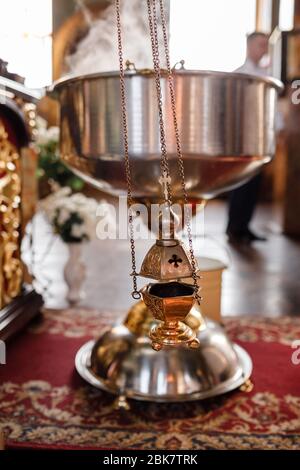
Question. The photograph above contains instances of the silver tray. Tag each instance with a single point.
(83, 362)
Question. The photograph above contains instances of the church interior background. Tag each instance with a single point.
(135, 314)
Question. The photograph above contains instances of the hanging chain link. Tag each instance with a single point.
(135, 293)
(157, 73)
(153, 20)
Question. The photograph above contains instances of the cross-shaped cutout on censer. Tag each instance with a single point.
(175, 260)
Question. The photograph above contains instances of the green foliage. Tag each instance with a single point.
(51, 167)
(65, 229)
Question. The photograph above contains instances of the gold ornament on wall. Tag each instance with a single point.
(10, 220)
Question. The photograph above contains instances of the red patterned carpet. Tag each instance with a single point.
(45, 404)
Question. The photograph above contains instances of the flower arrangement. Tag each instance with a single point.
(50, 167)
(73, 216)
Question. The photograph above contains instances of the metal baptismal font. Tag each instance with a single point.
(184, 135)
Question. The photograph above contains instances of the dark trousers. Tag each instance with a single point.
(242, 202)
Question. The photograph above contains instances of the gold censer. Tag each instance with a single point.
(169, 299)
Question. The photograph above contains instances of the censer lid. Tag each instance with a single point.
(167, 260)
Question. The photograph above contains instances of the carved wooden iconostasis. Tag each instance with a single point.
(11, 272)
(18, 301)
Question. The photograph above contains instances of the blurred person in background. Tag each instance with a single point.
(243, 200)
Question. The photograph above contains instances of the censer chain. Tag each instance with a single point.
(135, 293)
(152, 15)
(156, 65)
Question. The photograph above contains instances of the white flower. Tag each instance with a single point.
(53, 133)
(63, 216)
(44, 134)
(59, 206)
(54, 185)
(78, 230)
(41, 137)
(41, 123)
(54, 199)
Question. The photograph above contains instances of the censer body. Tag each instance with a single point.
(227, 130)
